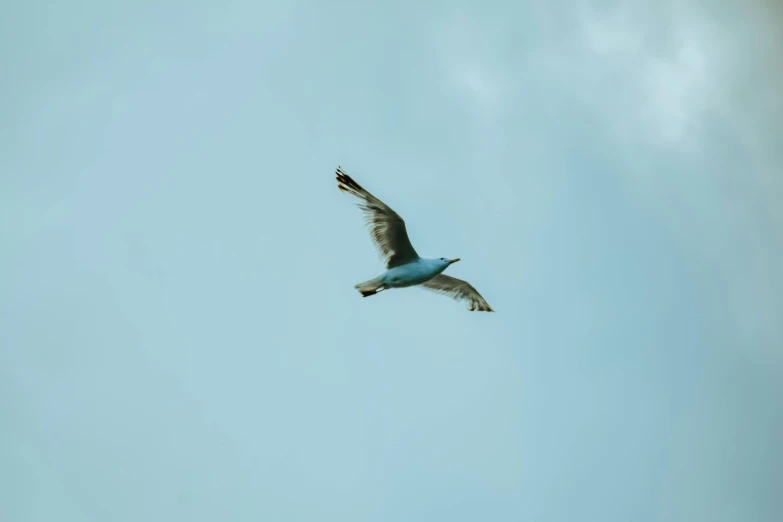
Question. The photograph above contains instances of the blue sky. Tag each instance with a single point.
(180, 338)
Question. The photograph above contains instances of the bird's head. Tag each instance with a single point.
(447, 262)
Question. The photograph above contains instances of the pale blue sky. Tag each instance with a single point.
(180, 338)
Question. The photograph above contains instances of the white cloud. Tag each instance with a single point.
(612, 33)
(467, 51)
(672, 84)
(651, 74)
(672, 93)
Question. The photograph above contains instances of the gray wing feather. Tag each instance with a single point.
(387, 229)
(459, 290)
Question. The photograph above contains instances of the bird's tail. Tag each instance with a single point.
(371, 287)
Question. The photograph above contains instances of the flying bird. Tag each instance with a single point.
(404, 267)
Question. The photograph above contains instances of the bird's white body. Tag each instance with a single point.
(414, 273)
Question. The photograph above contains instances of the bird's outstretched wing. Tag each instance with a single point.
(387, 229)
(459, 290)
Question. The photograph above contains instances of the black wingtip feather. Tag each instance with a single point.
(346, 180)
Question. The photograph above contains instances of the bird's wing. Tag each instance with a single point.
(387, 229)
(459, 290)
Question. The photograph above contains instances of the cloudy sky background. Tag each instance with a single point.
(179, 334)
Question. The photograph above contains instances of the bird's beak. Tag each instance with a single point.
(453, 260)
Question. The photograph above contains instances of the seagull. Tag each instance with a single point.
(404, 267)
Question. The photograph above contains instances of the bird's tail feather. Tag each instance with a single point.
(371, 287)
